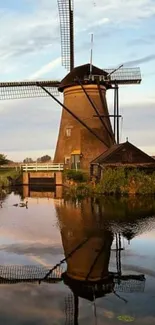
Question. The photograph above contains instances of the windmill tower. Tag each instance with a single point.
(76, 146)
(85, 128)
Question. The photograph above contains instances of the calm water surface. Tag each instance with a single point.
(108, 276)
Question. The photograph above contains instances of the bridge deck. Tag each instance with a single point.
(43, 167)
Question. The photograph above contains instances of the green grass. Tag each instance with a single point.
(8, 172)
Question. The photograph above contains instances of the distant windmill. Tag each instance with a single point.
(85, 129)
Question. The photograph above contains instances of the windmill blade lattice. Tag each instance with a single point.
(10, 274)
(27, 89)
(130, 285)
(67, 33)
(32, 89)
(123, 76)
(28, 273)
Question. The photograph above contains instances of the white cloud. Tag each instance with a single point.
(115, 11)
(35, 32)
(45, 69)
(23, 34)
(29, 127)
(27, 32)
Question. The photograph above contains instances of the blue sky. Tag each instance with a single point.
(30, 49)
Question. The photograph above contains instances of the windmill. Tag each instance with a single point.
(85, 128)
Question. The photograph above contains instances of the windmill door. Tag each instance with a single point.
(75, 159)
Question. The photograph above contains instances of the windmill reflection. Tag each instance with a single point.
(92, 233)
(87, 237)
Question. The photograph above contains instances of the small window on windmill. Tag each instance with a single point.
(68, 132)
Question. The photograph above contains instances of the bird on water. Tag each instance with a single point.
(21, 205)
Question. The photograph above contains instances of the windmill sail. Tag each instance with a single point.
(123, 76)
(27, 89)
(66, 14)
(32, 89)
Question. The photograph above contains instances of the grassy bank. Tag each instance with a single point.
(114, 182)
(8, 175)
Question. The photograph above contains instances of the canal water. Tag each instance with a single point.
(76, 262)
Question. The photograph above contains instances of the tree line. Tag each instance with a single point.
(3, 159)
(43, 159)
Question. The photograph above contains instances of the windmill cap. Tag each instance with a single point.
(79, 72)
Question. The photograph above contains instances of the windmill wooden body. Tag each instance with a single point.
(76, 146)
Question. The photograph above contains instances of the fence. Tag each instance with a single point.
(43, 167)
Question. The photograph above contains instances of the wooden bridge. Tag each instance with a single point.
(42, 173)
(43, 167)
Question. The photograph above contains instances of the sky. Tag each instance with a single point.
(30, 48)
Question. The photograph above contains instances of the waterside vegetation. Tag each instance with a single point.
(8, 176)
(119, 181)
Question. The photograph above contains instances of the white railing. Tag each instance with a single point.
(42, 167)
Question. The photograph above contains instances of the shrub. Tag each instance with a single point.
(118, 181)
(76, 175)
(113, 181)
(6, 175)
(124, 181)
